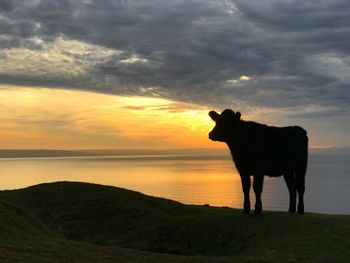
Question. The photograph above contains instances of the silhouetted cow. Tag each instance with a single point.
(258, 150)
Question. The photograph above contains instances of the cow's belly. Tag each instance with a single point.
(273, 173)
(270, 165)
(277, 170)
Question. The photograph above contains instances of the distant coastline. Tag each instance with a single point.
(39, 153)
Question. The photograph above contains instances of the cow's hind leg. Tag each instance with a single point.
(300, 185)
(291, 184)
(258, 186)
(245, 178)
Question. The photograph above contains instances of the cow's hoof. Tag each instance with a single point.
(258, 212)
(292, 209)
(300, 209)
(301, 212)
(245, 212)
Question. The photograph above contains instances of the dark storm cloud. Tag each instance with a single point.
(6, 5)
(295, 53)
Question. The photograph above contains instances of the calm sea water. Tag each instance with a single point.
(191, 179)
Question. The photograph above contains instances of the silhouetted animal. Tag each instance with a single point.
(258, 150)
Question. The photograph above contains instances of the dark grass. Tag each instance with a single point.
(94, 223)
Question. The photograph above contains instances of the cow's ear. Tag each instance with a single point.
(214, 115)
(238, 115)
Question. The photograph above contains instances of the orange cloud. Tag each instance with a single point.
(46, 118)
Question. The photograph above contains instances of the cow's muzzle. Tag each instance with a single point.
(211, 137)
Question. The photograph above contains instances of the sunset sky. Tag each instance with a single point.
(89, 74)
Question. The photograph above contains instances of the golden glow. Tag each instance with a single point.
(241, 78)
(134, 59)
(64, 119)
(244, 77)
(213, 182)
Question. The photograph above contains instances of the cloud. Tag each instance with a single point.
(56, 118)
(6, 5)
(198, 51)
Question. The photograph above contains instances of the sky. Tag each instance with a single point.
(83, 74)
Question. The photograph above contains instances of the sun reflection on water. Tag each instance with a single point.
(213, 182)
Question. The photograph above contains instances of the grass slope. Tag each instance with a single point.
(108, 224)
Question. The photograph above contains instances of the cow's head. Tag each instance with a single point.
(226, 122)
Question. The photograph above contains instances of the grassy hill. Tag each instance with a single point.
(79, 222)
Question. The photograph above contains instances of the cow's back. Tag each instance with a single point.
(285, 149)
(269, 150)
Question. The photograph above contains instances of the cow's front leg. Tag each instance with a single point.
(245, 178)
(258, 187)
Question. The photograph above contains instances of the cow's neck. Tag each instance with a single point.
(236, 141)
(234, 147)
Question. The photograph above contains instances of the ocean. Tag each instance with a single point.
(187, 178)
